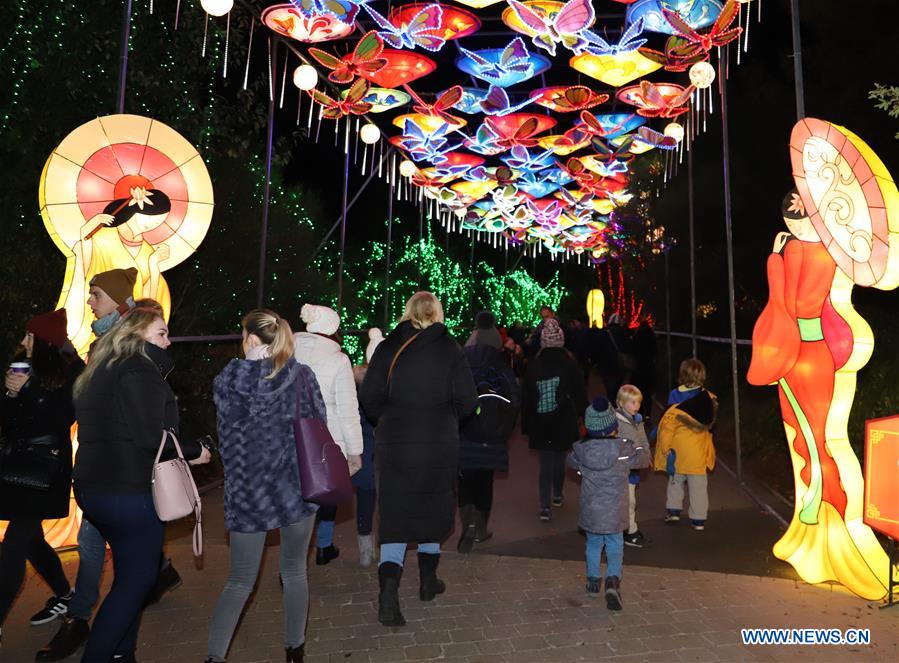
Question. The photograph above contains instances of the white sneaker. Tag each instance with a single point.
(366, 549)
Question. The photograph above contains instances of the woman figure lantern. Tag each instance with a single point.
(843, 221)
(123, 191)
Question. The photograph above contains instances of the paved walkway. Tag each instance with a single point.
(519, 598)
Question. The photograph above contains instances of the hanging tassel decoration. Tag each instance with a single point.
(177, 13)
(227, 41)
(246, 73)
(205, 35)
(284, 79)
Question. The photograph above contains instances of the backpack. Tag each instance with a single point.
(497, 410)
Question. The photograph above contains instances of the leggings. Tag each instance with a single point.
(25, 540)
(246, 555)
(476, 487)
(552, 475)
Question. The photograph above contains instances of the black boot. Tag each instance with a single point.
(389, 598)
(482, 533)
(427, 572)
(295, 654)
(469, 530)
(168, 579)
(613, 593)
(325, 555)
(72, 634)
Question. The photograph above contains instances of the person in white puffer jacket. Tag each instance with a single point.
(317, 349)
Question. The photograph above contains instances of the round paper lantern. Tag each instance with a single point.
(369, 133)
(675, 130)
(702, 74)
(407, 168)
(216, 7)
(305, 77)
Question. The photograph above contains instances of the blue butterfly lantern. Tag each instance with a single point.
(629, 41)
(521, 158)
(424, 30)
(471, 100)
(503, 67)
(697, 13)
(431, 147)
(617, 123)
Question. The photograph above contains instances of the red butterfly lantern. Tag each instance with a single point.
(688, 43)
(657, 99)
(352, 104)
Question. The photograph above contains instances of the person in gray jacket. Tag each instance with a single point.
(604, 460)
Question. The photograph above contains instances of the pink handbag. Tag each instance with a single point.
(175, 494)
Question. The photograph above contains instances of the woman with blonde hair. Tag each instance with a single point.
(123, 404)
(417, 389)
(258, 399)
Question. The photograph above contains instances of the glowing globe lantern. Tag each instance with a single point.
(402, 67)
(217, 7)
(305, 77)
(675, 130)
(478, 4)
(407, 168)
(370, 134)
(289, 21)
(702, 75)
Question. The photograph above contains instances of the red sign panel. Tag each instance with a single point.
(882, 475)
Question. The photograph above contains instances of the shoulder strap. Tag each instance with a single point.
(397, 356)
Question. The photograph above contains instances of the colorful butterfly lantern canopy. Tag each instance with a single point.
(454, 23)
(615, 70)
(696, 13)
(495, 66)
(402, 67)
(288, 20)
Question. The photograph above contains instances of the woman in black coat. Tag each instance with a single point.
(554, 400)
(36, 415)
(417, 389)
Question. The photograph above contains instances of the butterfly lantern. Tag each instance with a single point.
(497, 102)
(630, 41)
(544, 212)
(502, 66)
(352, 104)
(423, 30)
(426, 146)
(366, 57)
(688, 44)
(569, 27)
(520, 158)
(343, 10)
(657, 99)
(568, 98)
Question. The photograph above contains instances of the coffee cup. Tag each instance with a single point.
(20, 367)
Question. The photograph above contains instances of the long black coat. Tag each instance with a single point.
(417, 430)
(556, 430)
(36, 412)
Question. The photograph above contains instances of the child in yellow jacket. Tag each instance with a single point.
(686, 451)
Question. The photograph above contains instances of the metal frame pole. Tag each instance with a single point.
(729, 235)
(346, 180)
(668, 321)
(267, 186)
(123, 58)
(692, 251)
(389, 247)
(797, 60)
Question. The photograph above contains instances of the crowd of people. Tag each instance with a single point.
(423, 425)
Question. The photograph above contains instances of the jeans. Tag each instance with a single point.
(552, 475)
(135, 534)
(365, 510)
(476, 487)
(246, 555)
(24, 539)
(396, 552)
(698, 485)
(324, 534)
(91, 555)
(614, 545)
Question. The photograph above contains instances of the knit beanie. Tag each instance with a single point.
(375, 336)
(50, 327)
(118, 284)
(320, 319)
(552, 335)
(599, 418)
(485, 320)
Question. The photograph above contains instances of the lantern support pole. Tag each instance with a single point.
(346, 180)
(691, 209)
(387, 262)
(123, 58)
(729, 236)
(797, 60)
(668, 321)
(267, 187)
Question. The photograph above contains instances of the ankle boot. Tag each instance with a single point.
(72, 634)
(467, 515)
(325, 555)
(295, 654)
(481, 531)
(366, 550)
(430, 586)
(388, 598)
(613, 593)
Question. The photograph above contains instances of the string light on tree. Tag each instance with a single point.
(675, 131)
(217, 7)
(702, 75)
(305, 77)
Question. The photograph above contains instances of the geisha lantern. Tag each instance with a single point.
(675, 130)
(407, 168)
(305, 77)
(702, 75)
(217, 7)
(370, 133)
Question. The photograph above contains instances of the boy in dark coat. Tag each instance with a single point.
(604, 461)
